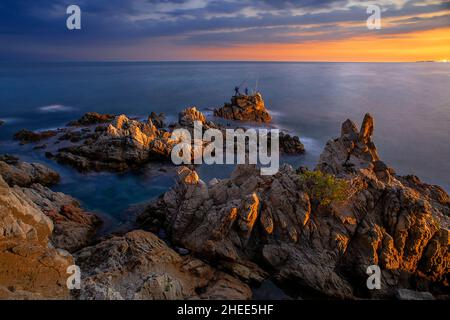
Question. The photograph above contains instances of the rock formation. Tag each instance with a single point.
(30, 268)
(26, 136)
(92, 118)
(105, 143)
(121, 145)
(140, 266)
(255, 225)
(24, 174)
(73, 228)
(245, 108)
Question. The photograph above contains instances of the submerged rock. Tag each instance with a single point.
(245, 108)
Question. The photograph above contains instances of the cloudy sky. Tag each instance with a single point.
(274, 30)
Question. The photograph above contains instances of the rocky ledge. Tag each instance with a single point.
(245, 108)
(281, 225)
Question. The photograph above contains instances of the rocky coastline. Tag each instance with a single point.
(312, 233)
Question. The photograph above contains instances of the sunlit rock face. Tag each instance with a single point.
(30, 268)
(245, 108)
(123, 144)
(254, 225)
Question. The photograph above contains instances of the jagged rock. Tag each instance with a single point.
(291, 144)
(140, 266)
(30, 268)
(158, 119)
(245, 108)
(270, 221)
(92, 118)
(124, 144)
(27, 136)
(25, 174)
(189, 115)
(354, 150)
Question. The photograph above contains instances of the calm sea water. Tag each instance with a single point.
(410, 103)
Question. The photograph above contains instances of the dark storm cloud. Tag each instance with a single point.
(29, 24)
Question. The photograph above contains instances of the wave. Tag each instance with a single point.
(55, 108)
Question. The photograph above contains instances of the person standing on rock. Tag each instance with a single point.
(236, 91)
(246, 91)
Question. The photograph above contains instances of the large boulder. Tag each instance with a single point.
(245, 108)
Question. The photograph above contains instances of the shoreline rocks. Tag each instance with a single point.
(30, 268)
(245, 108)
(254, 225)
(73, 228)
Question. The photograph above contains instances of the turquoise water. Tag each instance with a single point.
(410, 103)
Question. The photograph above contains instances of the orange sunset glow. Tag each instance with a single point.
(417, 46)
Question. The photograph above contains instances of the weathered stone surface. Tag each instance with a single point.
(25, 174)
(245, 108)
(124, 144)
(258, 221)
(140, 266)
(74, 228)
(30, 268)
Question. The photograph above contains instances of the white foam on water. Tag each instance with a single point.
(55, 108)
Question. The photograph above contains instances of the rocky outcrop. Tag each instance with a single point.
(92, 118)
(73, 228)
(122, 145)
(245, 108)
(27, 136)
(189, 115)
(254, 225)
(290, 144)
(25, 174)
(30, 268)
(140, 266)
(159, 120)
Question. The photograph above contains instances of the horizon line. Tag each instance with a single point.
(216, 61)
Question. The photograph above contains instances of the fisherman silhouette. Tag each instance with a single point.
(236, 91)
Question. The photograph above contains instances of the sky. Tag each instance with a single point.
(215, 30)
